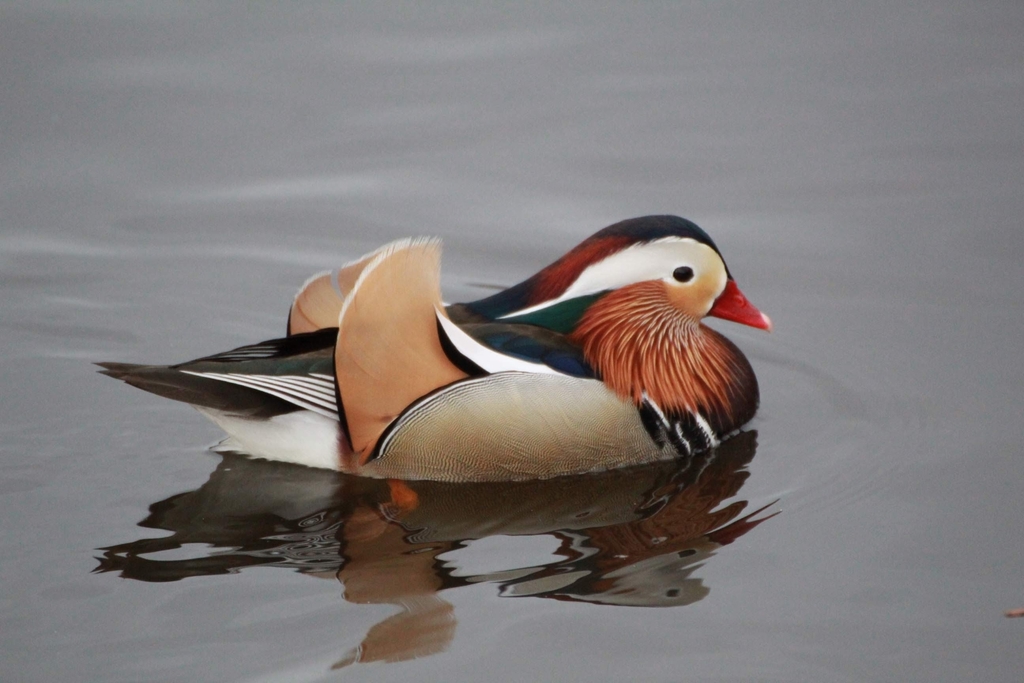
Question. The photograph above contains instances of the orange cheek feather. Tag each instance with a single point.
(641, 343)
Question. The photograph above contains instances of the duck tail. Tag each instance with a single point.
(196, 390)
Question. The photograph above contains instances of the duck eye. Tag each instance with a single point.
(683, 273)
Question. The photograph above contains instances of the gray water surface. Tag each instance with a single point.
(170, 173)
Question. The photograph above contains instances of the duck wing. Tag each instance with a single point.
(388, 352)
(319, 301)
(317, 304)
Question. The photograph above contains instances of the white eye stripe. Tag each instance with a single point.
(637, 263)
(655, 260)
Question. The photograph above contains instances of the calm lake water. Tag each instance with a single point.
(172, 173)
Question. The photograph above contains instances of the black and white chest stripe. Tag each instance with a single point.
(688, 433)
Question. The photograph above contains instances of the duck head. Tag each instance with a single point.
(633, 296)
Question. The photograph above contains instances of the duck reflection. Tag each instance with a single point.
(626, 537)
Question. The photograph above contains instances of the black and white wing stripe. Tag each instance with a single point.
(285, 347)
(252, 352)
(687, 434)
(314, 392)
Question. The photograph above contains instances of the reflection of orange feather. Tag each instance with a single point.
(641, 344)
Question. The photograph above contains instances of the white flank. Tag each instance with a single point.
(302, 437)
(487, 358)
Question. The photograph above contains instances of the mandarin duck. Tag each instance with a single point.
(600, 360)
